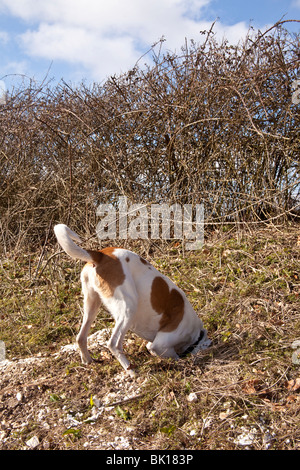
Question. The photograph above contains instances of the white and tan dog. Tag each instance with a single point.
(138, 297)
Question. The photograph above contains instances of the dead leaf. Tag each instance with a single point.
(224, 414)
(105, 355)
(292, 399)
(256, 387)
(249, 387)
(293, 385)
(275, 406)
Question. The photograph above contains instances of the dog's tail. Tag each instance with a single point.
(65, 237)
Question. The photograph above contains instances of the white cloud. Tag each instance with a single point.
(99, 54)
(4, 37)
(104, 36)
(16, 67)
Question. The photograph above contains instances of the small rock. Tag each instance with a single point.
(296, 357)
(267, 439)
(33, 442)
(246, 438)
(296, 354)
(71, 421)
(192, 397)
(12, 402)
(2, 351)
(296, 344)
(224, 414)
(207, 422)
(96, 402)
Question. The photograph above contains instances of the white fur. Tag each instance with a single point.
(130, 306)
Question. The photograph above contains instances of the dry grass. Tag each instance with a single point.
(241, 393)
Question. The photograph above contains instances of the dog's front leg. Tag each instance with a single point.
(162, 346)
(115, 344)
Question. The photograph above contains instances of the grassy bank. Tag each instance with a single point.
(242, 392)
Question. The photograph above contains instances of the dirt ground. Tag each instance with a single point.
(53, 402)
(241, 393)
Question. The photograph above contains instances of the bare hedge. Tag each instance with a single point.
(213, 124)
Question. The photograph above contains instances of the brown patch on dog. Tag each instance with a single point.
(109, 270)
(144, 261)
(169, 304)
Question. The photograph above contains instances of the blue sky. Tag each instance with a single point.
(89, 40)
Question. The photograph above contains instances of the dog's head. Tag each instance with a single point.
(203, 343)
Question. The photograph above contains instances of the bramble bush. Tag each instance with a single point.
(214, 124)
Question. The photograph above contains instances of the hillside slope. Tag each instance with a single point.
(243, 392)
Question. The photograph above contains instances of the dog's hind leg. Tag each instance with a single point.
(91, 306)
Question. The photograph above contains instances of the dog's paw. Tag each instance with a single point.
(87, 359)
(131, 371)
